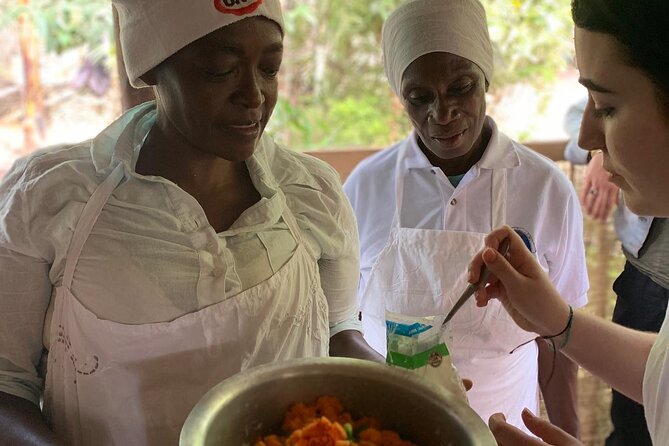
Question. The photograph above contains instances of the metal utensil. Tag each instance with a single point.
(473, 287)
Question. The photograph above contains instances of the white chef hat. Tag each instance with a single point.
(420, 27)
(153, 30)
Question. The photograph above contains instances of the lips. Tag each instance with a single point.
(247, 129)
(450, 135)
(450, 139)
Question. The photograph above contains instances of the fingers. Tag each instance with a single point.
(550, 433)
(585, 190)
(493, 240)
(589, 201)
(505, 270)
(507, 435)
(600, 210)
(600, 205)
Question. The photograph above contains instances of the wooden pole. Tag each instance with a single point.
(33, 99)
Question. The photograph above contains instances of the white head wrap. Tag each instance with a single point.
(153, 30)
(420, 27)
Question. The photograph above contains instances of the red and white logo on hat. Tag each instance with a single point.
(237, 7)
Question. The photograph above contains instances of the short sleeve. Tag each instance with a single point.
(566, 263)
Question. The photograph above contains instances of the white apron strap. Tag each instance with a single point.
(498, 198)
(292, 224)
(399, 186)
(87, 220)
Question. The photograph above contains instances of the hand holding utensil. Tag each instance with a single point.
(473, 287)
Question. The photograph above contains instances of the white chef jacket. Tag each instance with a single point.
(542, 204)
(168, 261)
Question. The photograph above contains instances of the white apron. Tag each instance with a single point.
(656, 387)
(115, 384)
(422, 272)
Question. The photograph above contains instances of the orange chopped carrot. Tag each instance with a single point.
(322, 424)
(321, 432)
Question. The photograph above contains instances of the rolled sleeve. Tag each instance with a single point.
(567, 265)
(25, 291)
(340, 268)
(325, 214)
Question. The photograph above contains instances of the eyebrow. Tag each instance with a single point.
(591, 85)
(224, 47)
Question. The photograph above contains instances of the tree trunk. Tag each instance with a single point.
(34, 119)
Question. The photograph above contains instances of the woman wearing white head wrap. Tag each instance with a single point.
(181, 245)
(424, 205)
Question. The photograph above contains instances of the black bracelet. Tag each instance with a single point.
(567, 329)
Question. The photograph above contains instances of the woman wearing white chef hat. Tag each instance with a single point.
(178, 247)
(425, 204)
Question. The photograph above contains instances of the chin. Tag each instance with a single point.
(640, 205)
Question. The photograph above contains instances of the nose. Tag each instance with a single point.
(249, 91)
(591, 136)
(444, 111)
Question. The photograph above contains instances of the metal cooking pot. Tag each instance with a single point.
(242, 408)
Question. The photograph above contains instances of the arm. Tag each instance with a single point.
(24, 295)
(339, 268)
(23, 424)
(350, 343)
(565, 255)
(572, 126)
(25, 292)
(616, 354)
(558, 379)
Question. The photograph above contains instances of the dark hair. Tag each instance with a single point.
(641, 26)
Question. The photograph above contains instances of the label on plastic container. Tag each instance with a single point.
(416, 344)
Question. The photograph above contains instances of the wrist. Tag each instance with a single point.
(558, 322)
(560, 340)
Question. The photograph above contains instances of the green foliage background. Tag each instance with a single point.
(333, 89)
(66, 24)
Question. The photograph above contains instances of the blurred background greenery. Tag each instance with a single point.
(333, 89)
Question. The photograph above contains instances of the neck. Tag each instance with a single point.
(167, 154)
(461, 164)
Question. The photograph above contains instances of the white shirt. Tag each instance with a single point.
(166, 260)
(542, 203)
(656, 387)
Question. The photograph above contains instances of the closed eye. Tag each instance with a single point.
(603, 113)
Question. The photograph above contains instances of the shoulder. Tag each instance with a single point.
(51, 163)
(383, 161)
(540, 173)
(374, 174)
(36, 190)
(290, 169)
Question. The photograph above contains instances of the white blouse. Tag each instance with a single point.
(156, 257)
